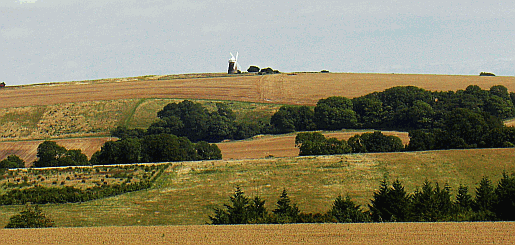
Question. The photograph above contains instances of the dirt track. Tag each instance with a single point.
(302, 88)
(376, 233)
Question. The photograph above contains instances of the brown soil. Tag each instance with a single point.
(375, 233)
(302, 88)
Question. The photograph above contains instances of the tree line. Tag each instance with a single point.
(467, 118)
(315, 143)
(391, 203)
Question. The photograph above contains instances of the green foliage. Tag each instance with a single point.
(390, 203)
(12, 161)
(316, 144)
(505, 194)
(375, 142)
(50, 154)
(335, 113)
(346, 211)
(242, 210)
(253, 69)
(431, 204)
(293, 118)
(285, 212)
(30, 217)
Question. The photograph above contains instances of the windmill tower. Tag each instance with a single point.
(233, 65)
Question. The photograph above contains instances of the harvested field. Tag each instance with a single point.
(282, 145)
(27, 150)
(301, 88)
(378, 233)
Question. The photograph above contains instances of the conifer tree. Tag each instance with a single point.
(346, 211)
(286, 212)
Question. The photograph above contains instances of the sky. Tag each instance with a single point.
(70, 40)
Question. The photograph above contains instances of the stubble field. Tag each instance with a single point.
(385, 233)
(291, 88)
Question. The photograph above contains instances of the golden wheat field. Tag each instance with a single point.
(291, 88)
(378, 233)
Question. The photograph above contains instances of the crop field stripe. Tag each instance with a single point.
(375, 233)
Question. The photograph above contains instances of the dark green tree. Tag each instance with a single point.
(285, 211)
(335, 113)
(375, 142)
(505, 192)
(241, 210)
(431, 204)
(390, 203)
(48, 154)
(293, 118)
(346, 211)
(30, 217)
(12, 161)
(206, 151)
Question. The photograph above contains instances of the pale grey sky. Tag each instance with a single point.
(65, 40)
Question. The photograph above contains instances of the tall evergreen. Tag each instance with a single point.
(484, 201)
(285, 212)
(504, 207)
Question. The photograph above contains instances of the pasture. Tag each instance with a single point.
(187, 192)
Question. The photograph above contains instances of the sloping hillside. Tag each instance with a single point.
(294, 88)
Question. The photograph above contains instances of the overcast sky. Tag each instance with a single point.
(66, 40)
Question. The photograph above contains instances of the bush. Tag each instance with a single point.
(30, 217)
(253, 69)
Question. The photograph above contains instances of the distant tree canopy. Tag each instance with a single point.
(195, 122)
(436, 120)
(12, 161)
(316, 144)
(50, 154)
(253, 69)
(154, 148)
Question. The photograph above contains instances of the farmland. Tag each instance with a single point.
(79, 115)
(384, 233)
(301, 88)
(187, 192)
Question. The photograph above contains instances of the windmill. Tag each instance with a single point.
(233, 65)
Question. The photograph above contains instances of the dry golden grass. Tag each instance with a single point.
(302, 88)
(379, 233)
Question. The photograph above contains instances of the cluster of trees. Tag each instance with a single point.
(50, 154)
(436, 120)
(154, 148)
(314, 143)
(12, 161)
(70, 194)
(30, 217)
(197, 123)
(391, 203)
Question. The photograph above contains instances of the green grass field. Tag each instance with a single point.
(188, 191)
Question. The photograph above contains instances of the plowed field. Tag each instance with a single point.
(378, 233)
(302, 88)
